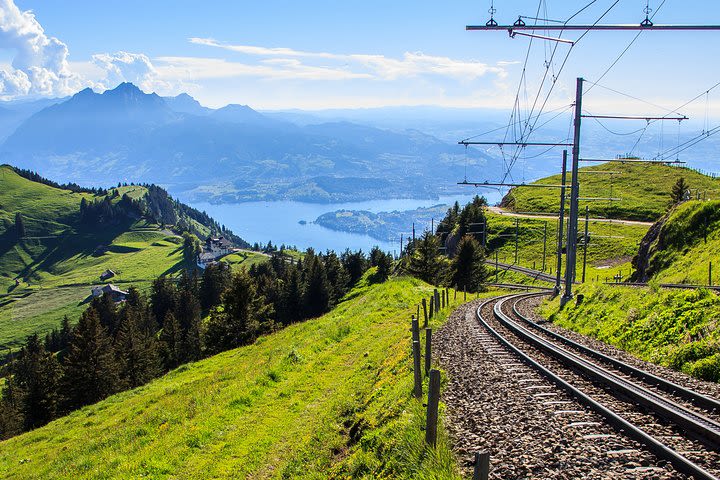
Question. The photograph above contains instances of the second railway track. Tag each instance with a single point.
(677, 425)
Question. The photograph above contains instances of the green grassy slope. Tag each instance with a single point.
(57, 262)
(327, 398)
(688, 242)
(644, 191)
(611, 247)
(674, 328)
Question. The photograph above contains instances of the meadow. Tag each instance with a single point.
(638, 191)
(327, 398)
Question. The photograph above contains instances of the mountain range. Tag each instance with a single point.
(230, 154)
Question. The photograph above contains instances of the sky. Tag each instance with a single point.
(321, 54)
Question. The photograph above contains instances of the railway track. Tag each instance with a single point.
(534, 274)
(676, 424)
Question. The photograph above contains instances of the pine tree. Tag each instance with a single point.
(291, 304)
(467, 270)
(245, 316)
(317, 289)
(11, 417)
(136, 349)
(171, 341)
(338, 279)
(163, 297)
(90, 370)
(187, 314)
(107, 313)
(215, 280)
(355, 264)
(36, 374)
(680, 191)
(426, 262)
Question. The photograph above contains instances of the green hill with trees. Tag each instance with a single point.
(640, 191)
(56, 240)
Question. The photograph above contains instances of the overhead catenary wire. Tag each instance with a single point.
(610, 67)
(523, 78)
(530, 128)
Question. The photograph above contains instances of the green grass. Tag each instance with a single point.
(677, 329)
(244, 259)
(327, 398)
(689, 241)
(57, 262)
(611, 247)
(644, 191)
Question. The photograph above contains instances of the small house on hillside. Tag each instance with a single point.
(218, 246)
(205, 259)
(115, 293)
(214, 249)
(107, 275)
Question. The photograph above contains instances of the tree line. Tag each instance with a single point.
(114, 347)
(452, 255)
(72, 186)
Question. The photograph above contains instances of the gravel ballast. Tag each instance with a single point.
(531, 429)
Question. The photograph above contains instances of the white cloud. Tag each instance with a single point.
(130, 67)
(199, 68)
(364, 65)
(40, 65)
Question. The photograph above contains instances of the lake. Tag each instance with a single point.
(280, 221)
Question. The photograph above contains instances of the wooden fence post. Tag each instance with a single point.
(432, 408)
(437, 301)
(415, 329)
(432, 306)
(425, 311)
(464, 295)
(442, 299)
(482, 466)
(447, 297)
(416, 369)
(428, 349)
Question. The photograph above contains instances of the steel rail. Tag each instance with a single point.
(696, 398)
(662, 451)
(701, 427)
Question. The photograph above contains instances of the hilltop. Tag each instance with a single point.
(47, 272)
(642, 191)
(326, 398)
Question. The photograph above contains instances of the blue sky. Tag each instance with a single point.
(330, 54)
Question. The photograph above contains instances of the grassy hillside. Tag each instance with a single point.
(684, 246)
(643, 190)
(328, 398)
(610, 250)
(674, 328)
(60, 258)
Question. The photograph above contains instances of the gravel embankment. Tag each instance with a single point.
(531, 429)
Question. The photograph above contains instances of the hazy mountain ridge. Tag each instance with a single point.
(229, 154)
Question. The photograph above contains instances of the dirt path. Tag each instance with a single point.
(502, 211)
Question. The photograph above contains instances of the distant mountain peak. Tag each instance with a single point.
(125, 87)
(184, 103)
